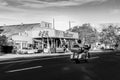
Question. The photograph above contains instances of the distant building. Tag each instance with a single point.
(46, 24)
(38, 36)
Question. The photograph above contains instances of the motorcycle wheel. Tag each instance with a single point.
(77, 61)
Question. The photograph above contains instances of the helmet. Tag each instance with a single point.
(79, 41)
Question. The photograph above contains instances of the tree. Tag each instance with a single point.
(3, 40)
(109, 36)
(86, 32)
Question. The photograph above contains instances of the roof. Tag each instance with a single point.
(14, 29)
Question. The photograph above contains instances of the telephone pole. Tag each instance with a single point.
(53, 23)
(69, 25)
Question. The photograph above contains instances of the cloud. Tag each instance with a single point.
(53, 0)
(58, 3)
(3, 3)
(115, 11)
(44, 3)
(10, 6)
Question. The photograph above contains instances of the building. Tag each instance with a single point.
(39, 36)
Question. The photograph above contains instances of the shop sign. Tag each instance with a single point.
(58, 33)
(67, 34)
(63, 34)
(44, 34)
(53, 33)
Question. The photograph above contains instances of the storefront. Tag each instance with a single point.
(46, 39)
(22, 40)
(53, 40)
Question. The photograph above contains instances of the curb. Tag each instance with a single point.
(19, 56)
(42, 55)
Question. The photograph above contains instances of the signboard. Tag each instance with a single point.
(58, 33)
(67, 34)
(43, 32)
(63, 34)
(46, 32)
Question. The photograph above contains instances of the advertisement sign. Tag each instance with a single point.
(72, 35)
(58, 33)
(63, 34)
(39, 33)
(67, 34)
(44, 32)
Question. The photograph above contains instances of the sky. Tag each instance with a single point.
(77, 12)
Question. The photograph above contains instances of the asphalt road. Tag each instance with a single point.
(105, 67)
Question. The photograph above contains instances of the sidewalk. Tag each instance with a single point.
(94, 51)
(13, 56)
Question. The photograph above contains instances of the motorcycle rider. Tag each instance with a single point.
(86, 49)
(82, 51)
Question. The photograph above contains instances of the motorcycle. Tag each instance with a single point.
(80, 54)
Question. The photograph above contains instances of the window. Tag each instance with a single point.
(18, 45)
(24, 45)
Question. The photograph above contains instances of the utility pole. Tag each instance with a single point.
(53, 23)
(69, 30)
(69, 25)
(54, 41)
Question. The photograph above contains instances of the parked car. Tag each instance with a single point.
(27, 51)
(60, 50)
(108, 48)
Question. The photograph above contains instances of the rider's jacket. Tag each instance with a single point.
(80, 48)
(87, 47)
(77, 48)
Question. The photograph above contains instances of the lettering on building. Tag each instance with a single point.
(67, 34)
(44, 33)
(58, 33)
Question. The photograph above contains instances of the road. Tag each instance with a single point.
(105, 67)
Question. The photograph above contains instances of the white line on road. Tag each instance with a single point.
(32, 60)
(11, 71)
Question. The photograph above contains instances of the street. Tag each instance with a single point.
(61, 68)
